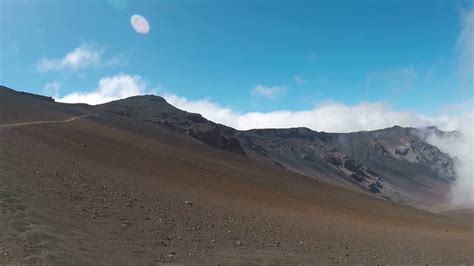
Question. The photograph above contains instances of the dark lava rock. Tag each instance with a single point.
(352, 165)
(374, 188)
(357, 177)
(213, 137)
(334, 161)
(404, 152)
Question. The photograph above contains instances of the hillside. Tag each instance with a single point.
(394, 164)
(140, 182)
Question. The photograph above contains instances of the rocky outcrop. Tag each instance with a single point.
(215, 138)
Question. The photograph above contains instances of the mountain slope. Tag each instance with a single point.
(394, 164)
(106, 189)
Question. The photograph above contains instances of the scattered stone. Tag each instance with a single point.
(188, 203)
(239, 242)
(172, 254)
(127, 223)
(5, 254)
(374, 188)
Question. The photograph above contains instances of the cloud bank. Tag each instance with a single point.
(329, 117)
(460, 147)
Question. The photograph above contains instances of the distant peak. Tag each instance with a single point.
(146, 97)
(139, 99)
(142, 103)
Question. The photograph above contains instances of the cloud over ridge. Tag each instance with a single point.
(110, 88)
(329, 117)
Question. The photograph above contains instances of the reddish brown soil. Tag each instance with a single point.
(82, 192)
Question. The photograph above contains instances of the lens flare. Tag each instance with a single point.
(140, 24)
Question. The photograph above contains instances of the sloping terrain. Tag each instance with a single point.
(395, 164)
(108, 189)
(466, 215)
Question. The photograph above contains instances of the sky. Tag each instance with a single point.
(327, 65)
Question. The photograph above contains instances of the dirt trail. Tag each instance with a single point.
(43, 122)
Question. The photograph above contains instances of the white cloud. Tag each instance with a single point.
(299, 80)
(85, 56)
(461, 147)
(52, 88)
(110, 88)
(329, 117)
(268, 92)
(462, 191)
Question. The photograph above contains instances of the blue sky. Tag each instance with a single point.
(247, 56)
